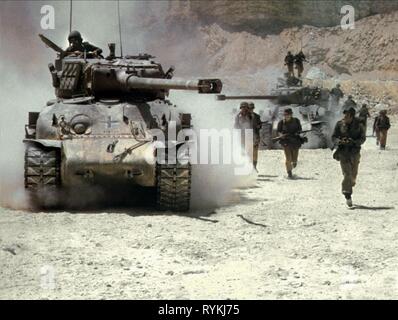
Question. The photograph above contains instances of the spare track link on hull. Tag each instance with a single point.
(42, 167)
(173, 186)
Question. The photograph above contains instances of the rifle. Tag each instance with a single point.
(344, 141)
(52, 45)
(287, 135)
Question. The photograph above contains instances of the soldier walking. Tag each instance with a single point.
(288, 135)
(256, 133)
(363, 115)
(336, 94)
(349, 103)
(376, 130)
(381, 126)
(298, 60)
(349, 135)
(244, 121)
(289, 62)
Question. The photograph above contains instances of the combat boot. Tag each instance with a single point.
(289, 174)
(255, 166)
(348, 199)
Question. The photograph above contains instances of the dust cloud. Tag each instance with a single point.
(26, 84)
(212, 184)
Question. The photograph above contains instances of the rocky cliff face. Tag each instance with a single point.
(271, 16)
(370, 47)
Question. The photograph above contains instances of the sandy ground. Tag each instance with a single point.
(304, 242)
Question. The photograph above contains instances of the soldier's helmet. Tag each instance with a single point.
(244, 105)
(350, 111)
(75, 35)
(288, 111)
(251, 105)
(350, 97)
(338, 85)
(289, 53)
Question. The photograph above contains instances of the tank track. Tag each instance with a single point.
(42, 170)
(173, 186)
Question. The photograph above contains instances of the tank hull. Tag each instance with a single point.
(89, 161)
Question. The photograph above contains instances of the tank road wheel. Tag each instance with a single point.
(42, 172)
(173, 186)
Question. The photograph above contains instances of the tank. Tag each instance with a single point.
(101, 126)
(309, 104)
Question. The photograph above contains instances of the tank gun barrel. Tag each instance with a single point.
(202, 85)
(222, 97)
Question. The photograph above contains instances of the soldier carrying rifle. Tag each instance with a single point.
(289, 130)
(349, 134)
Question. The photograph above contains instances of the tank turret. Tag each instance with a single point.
(114, 79)
(142, 79)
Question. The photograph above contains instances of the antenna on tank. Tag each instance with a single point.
(120, 29)
(70, 17)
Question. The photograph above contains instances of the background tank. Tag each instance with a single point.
(309, 104)
(107, 123)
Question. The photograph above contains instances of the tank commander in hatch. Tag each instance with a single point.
(78, 47)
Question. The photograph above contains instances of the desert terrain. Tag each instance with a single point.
(272, 239)
(260, 237)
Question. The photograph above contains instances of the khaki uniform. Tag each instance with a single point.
(256, 136)
(292, 143)
(349, 154)
(381, 126)
(363, 116)
(291, 156)
(383, 137)
(376, 131)
(245, 123)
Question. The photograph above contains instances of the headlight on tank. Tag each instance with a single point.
(80, 128)
(80, 124)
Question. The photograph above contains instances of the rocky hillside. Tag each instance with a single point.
(364, 60)
(370, 47)
(271, 16)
